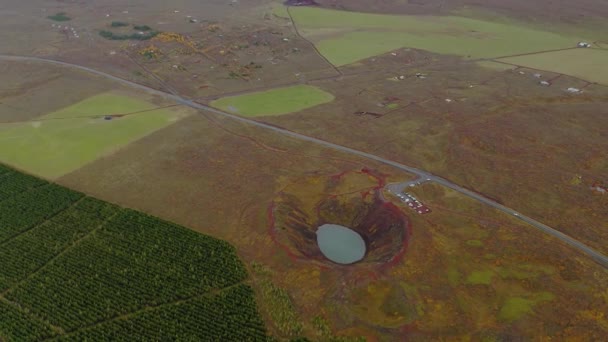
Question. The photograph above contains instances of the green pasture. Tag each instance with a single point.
(275, 101)
(102, 104)
(65, 140)
(589, 28)
(588, 64)
(280, 11)
(346, 37)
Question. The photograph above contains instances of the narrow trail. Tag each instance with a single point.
(598, 257)
(26, 231)
(281, 85)
(153, 75)
(210, 294)
(67, 248)
(31, 316)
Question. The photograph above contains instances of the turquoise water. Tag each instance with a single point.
(340, 244)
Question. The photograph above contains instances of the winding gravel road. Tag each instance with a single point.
(595, 255)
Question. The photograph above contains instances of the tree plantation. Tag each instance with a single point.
(76, 268)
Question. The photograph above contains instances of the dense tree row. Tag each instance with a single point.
(230, 315)
(134, 261)
(18, 326)
(79, 264)
(4, 170)
(13, 183)
(29, 251)
(29, 208)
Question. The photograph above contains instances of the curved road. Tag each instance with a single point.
(595, 255)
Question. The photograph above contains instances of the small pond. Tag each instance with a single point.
(340, 244)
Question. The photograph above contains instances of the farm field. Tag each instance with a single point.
(62, 141)
(346, 37)
(30, 90)
(73, 267)
(275, 101)
(495, 65)
(588, 64)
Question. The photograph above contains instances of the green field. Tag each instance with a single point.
(346, 37)
(76, 268)
(275, 101)
(495, 66)
(63, 141)
(588, 64)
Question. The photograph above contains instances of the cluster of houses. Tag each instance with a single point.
(413, 203)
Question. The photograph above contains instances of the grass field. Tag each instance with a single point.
(275, 101)
(346, 37)
(588, 64)
(62, 141)
(495, 66)
(589, 28)
(78, 268)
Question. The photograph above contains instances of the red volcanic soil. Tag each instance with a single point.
(384, 227)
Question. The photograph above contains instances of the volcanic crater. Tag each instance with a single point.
(351, 199)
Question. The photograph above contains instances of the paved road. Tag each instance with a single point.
(396, 188)
(595, 255)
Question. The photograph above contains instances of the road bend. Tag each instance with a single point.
(426, 176)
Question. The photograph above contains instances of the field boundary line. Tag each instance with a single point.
(295, 27)
(58, 255)
(210, 294)
(143, 111)
(543, 70)
(56, 329)
(2, 243)
(532, 53)
(277, 86)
